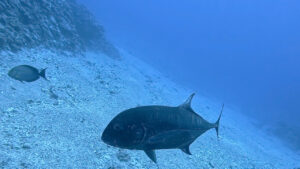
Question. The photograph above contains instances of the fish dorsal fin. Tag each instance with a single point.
(187, 103)
(186, 149)
(151, 154)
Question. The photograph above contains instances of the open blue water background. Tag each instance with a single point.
(245, 53)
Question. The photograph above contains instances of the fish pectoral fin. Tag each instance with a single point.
(186, 149)
(151, 154)
(176, 136)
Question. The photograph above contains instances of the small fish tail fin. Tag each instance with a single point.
(43, 73)
(218, 121)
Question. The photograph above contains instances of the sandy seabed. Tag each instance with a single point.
(58, 124)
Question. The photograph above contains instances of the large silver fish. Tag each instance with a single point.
(149, 128)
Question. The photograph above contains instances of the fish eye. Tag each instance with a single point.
(132, 127)
(139, 132)
(117, 127)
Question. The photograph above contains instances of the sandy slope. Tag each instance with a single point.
(58, 124)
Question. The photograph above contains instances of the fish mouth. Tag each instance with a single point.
(112, 142)
(107, 140)
(104, 137)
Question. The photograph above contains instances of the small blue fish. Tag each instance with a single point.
(26, 73)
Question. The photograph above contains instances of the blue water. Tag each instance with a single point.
(245, 53)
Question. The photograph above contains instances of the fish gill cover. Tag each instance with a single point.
(58, 24)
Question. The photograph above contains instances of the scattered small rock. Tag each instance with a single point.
(123, 156)
(233, 165)
(24, 165)
(112, 92)
(101, 81)
(114, 167)
(30, 101)
(3, 164)
(52, 94)
(26, 147)
(11, 110)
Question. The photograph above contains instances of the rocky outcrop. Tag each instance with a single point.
(59, 24)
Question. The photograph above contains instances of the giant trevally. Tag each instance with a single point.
(26, 73)
(150, 128)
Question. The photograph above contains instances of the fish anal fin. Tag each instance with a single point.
(151, 154)
(186, 149)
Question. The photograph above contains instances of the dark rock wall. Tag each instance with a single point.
(59, 24)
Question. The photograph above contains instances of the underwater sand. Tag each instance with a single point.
(58, 124)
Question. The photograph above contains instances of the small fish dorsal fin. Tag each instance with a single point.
(187, 103)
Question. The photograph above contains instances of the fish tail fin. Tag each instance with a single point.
(218, 121)
(43, 73)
